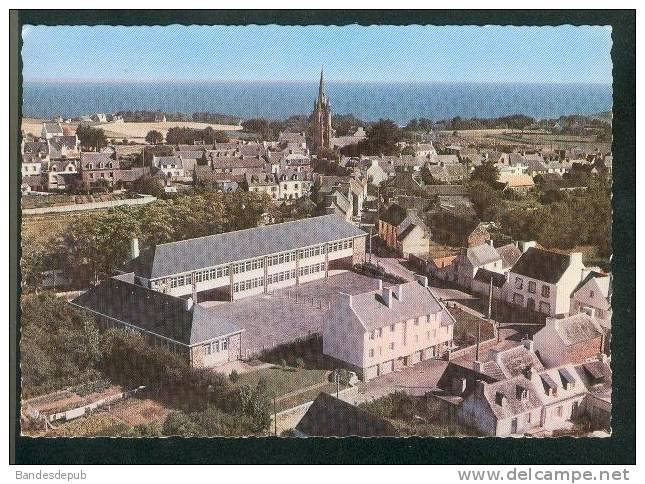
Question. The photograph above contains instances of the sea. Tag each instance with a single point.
(279, 100)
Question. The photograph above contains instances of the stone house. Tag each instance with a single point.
(543, 280)
(483, 256)
(574, 339)
(593, 297)
(377, 332)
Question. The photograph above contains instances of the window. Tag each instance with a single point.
(518, 299)
(546, 291)
(532, 287)
(207, 349)
(372, 334)
(590, 293)
(545, 307)
(416, 321)
(380, 332)
(528, 417)
(391, 346)
(519, 283)
(558, 411)
(216, 345)
(392, 327)
(224, 345)
(371, 353)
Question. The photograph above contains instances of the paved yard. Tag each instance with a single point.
(290, 313)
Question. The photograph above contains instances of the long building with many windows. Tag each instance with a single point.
(243, 263)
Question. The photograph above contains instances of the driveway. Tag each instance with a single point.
(393, 266)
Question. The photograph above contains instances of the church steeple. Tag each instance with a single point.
(322, 118)
(322, 91)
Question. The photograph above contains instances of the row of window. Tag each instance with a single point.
(90, 166)
(313, 269)
(110, 175)
(532, 288)
(343, 244)
(312, 251)
(209, 274)
(281, 276)
(249, 265)
(281, 258)
(215, 347)
(248, 285)
(378, 333)
(543, 307)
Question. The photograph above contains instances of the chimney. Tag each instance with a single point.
(423, 280)
(398, 292)
(490, 242)
(603, 358)
(188, 304)
(386, 294)
(134, 248)
(528, 344)
(575, 258)
(477, 366)
(380, 285)
(528, 372)
(524, 246)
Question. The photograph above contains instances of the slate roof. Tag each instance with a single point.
(602, 280)
(541, 264)
(330, 417)
(213, 250)
(577, 328)
(512, 405)
(447, 190)
(510, 254)
(516, 360)
(166, 161)
(417, 300)
(482, 254)
(484, 275)
(158, 313)
(36, 147)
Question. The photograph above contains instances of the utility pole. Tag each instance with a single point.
(275, 419)
(337, 383)
(370, 258)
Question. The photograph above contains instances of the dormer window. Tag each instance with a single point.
(590, 293)
(500, 399)
(110, 165)
(519, 283)
(521, 392)
(90, 166)
(101, 165)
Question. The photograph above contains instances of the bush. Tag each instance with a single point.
(300, 363)
(283, 364)
(234, 376)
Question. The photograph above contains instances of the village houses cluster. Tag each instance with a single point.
(166, 292)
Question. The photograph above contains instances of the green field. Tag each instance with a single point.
(282, 381)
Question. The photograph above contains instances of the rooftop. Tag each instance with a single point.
(213, 250)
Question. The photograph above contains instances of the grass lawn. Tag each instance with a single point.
(306, 396)
(466, 324)
(98, 424)
(280, 382)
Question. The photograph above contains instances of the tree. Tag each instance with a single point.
(486, 200)
(149, 186)
(154, 137)
(408, 150)
(59, 345)
(91, 139)
(487, 172)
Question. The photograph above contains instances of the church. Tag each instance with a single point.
(322, 119)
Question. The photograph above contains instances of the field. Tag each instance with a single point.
(283, 381)
(131, 131)
(138, 131)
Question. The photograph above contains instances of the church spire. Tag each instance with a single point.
(322, 91)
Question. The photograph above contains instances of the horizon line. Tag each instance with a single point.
(304, 81)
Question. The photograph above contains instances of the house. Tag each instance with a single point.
(374, 173)
(473, 258)
(31, 165)
(97, 166)
(343, 193)
(510, 254)
(36, 150)
(519, 183)
(482, 281)
(292, 140)
(64, 147)
(543, 280)
(171, 166)
(205, 176)
(196, 333)
(58, 174)
(330, 417)
(51, 129)
(294, 184)
(236, 165)
(234, 265)
(593, 297)
(448, 173)
(403, 230)
(263, 183)
(596, 405)
(574, 339)
(377, 332)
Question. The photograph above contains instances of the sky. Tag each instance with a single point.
(564, 54)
